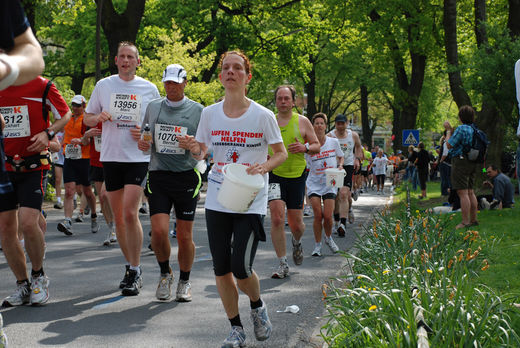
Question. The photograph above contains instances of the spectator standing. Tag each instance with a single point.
(464, 171)
(422, 163)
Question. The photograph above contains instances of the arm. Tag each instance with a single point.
(278, 157)
(41, 140)
(26, 55)
(91, 120)
(358, 151)
(309, 136)
(340, 160)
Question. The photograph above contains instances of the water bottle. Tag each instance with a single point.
(147, 136)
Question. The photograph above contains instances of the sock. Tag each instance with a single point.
(25, 281)
(336, 217)
(283, 259)
(318, 244)
(235, 321)
(68, 219)
(37, 273)
(344, 221)
(165, 266)
(184, 275)
(93, 216)
(136, 268)
(256, 304)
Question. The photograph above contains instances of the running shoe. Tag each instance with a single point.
(86, 211)
(261, 322)
(164, 288)
(135, 282)
(236, 338)
(332, 245)
(143, 209)
(3, 337)
(351, 217)
(341, 230)
(79, 217)
(94, 226)
(65, 227)
(111, 237)
(21, 295)
(355, 195)
(123, 282)
(297, 252)
(317, 250)
(183, 293)
(58, 205)
(282, 271)
(40, 290)
(307, 211)
(494, 205)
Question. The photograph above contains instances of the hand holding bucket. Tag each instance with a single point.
(334, 177)
(239, 189)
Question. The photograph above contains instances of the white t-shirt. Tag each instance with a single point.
(379, 164)
(347, 146)
(317, 163)
(126, 101)
(241, 140)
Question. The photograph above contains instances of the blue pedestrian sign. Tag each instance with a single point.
(410, 137)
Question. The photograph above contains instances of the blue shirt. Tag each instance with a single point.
(461, 138)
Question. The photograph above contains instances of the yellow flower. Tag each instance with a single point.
(429, 271)
(372, 308)
(386, 271)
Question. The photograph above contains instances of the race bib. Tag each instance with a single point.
(97, 143)
(274, 192)
(125, 107)
(72, 151)
(166, 138)
(17, 123)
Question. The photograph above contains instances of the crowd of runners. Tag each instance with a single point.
(129, 141)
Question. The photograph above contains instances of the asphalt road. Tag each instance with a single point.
(86, 308)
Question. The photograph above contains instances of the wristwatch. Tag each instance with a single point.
(306, 147)
(50, 133)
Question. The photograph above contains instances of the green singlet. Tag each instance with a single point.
(295, 164)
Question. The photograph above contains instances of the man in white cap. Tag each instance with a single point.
(119, 102)
(173, 179)
(76, 167)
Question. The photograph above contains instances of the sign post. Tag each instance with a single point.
(410, 137)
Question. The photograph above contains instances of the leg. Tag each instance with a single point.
(473, 206)
(133, 228)
(160, 242)
(58, 177)
(318, 216)
(115, 199)
(328, 208)
(10, 244)
(228, 292)
(186, 253)
(277, 209)
(344, 204)
(70, 189)
(90, 198)
(103, 201)
(295, 220)
(465, 206)
(33, 235)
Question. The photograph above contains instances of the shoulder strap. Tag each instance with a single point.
(45, 113)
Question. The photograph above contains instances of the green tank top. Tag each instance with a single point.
(295, 164)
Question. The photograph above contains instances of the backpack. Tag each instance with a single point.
(479, 145)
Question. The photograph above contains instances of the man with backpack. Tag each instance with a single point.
(464, 166)
(28, 133)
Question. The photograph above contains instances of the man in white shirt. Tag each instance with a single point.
(119, 102)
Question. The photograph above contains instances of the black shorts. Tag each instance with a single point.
(119, 174)
(165, 188)
(233, 239)
(28, 191)
(96, 174)
(325, 196)
(380, 179)
(347, 181)
(364, 173)
(289, 190)
(76, 170)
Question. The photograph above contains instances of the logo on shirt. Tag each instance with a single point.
(232, 155)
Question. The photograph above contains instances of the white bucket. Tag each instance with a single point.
(239, 189)
(334, 177)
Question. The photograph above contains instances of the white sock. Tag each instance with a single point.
(136, 268)
(283, 259)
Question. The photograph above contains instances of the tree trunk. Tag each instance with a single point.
(120, 27)
(310, 89)
(513, 22)
(365, 121)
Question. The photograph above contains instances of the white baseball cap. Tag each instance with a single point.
(175, 73)
(78, 99)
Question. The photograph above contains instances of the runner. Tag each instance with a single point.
(330, 156)
(27, 136)
(287, 182)
(97, 176)
(353, 155)
(57, 162)
(233, 237)
(76, 166)
(172, 179)
(119, 102)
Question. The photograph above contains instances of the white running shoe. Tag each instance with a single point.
(79, 217)
(40, 290)
(94, 226)
(317, 250)
(351, 216)
(282, 271)
(21, 295)
(183, 293)
(262, 324)
(355, 195)
(332, 245)
(307, 211)
(65, 227)
(3, 337)
(164, 288)
(341, 230)
(236, 338)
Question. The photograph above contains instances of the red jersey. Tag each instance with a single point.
(94, 155)
(21, 107)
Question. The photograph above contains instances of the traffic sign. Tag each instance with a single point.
(410, 137)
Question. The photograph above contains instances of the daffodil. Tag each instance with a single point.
(372, 308)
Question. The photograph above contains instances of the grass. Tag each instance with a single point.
(463, 280)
